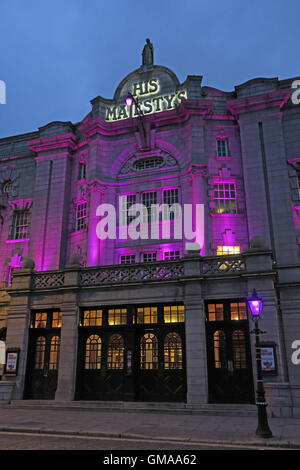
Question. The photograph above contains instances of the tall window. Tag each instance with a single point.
(239, 350)
(125, 203)
(173, 351)
(39, 355)
(225, 198)
(149, 352)
(220, 350)
(7, 186)
(82, 171)
(170, 197)
(20, 224)
(93, 352)
(222, 148)
(115, 352)
(81, 216)
(54, 353)
(149, 199)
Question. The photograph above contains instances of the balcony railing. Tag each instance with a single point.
(143, 272)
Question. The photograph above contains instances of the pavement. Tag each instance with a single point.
(181, 428)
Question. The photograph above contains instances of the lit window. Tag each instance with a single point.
(238, 311)
(222, 147)
(239, 350)
(92, 318)
(168, 255)
(225, 198)
(54, 353)
(149, 352)
(215, 312)
(127, 259)
(81, 216)
(20, 224)
(220, 350)
(147, 315)
(173, 351)
(228, 250)
(148, 257)
(174, 314)
(170, 197)
(40, 320)
(56, 319)
(117, 316)
(148, 163)
(125, 204)
(148, 200)
(82, 171)
(93, 352)
(115, 352)
(39, 355)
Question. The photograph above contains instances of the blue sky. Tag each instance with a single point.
(55, 56)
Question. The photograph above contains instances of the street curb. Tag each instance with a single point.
(257, 443)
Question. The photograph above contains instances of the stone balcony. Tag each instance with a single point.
(191, 267)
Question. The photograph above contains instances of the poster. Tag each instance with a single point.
(268, 363)
(12, 362)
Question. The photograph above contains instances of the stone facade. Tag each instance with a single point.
(193, 139)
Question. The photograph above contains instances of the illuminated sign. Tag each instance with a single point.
(149, 103)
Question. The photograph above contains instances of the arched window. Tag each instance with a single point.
(115, 352)
(173, 351)
(54, 352)
(149, 352)
(39, 356)
(239, 349)
(93, 352)
(220, 349)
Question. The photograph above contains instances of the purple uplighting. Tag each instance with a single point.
(255, 304)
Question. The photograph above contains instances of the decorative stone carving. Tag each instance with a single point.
(167, 161)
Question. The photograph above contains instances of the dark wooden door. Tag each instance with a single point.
(123, 356)
(43, 365)
(230, 376)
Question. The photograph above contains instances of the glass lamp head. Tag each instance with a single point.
(129, 100)
(255, 305)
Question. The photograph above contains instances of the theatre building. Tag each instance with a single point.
(88, 317)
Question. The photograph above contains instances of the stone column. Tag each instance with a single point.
(69, 340)
(196, 362)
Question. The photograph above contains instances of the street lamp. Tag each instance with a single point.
(263, 430)
(130, 100)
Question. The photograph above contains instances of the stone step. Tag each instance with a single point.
(239, 410)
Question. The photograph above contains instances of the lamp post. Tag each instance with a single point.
(263, 430)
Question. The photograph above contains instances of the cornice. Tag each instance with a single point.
(53, 143)
(258, 102)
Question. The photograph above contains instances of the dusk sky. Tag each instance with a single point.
(58, 55)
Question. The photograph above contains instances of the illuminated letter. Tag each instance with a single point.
(111, 114)
(169, 100)
(153, 85)
(122, 112)
(108, 221)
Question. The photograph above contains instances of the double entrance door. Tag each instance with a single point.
(132, 353)
(230, 378)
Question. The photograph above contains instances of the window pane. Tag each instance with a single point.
(115, 352)
(173, 351)
(54, 353)
(215, 312)
(93, 352)
(149, 352)
(117, 316)
(39, 356)
(147, 315)
(174, 314)
(219, 350)
(239, 350)
(56, 319)
(92, 318)
(238, 311)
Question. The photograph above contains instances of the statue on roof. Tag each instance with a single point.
(148, 53)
